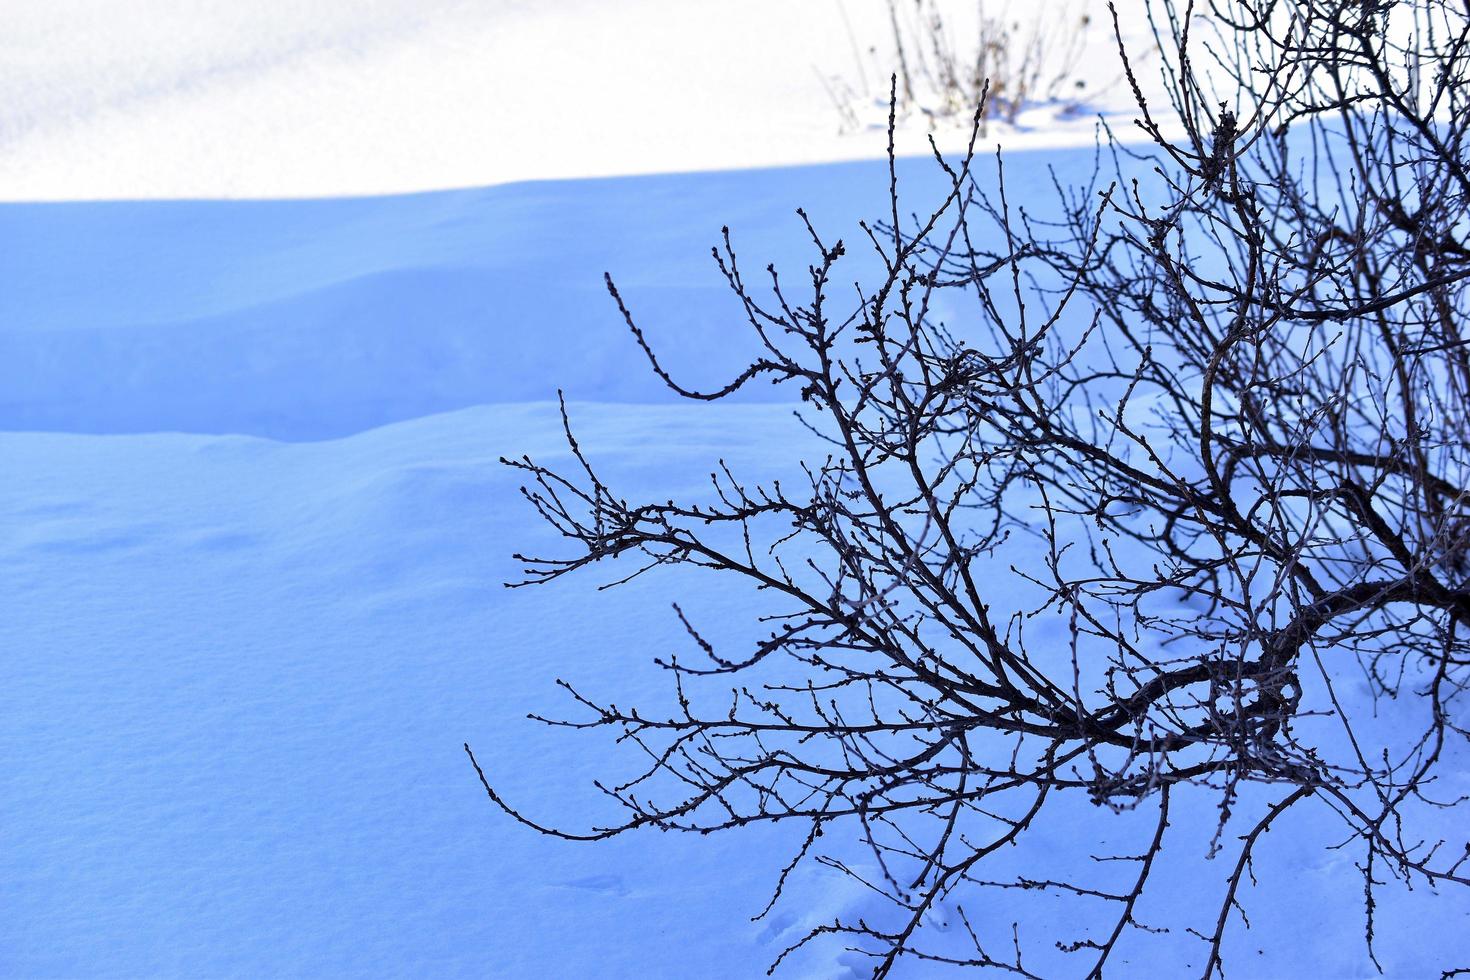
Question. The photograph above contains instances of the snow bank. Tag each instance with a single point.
(314, 319)
(275, 98)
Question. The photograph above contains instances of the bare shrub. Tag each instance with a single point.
(943, 63)
(1214, 417)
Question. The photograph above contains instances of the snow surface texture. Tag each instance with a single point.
(272, 98)
(248, 623)
(252, 530)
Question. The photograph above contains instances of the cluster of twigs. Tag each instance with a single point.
(943, 64)
(1214, 417)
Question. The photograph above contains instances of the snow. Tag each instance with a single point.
(274, 98)
(238, 674)
(314, 319)
(253, 533)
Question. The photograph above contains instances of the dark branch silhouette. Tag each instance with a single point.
(1213, 416)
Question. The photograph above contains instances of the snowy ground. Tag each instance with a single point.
(273, 98)
(252, 530)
